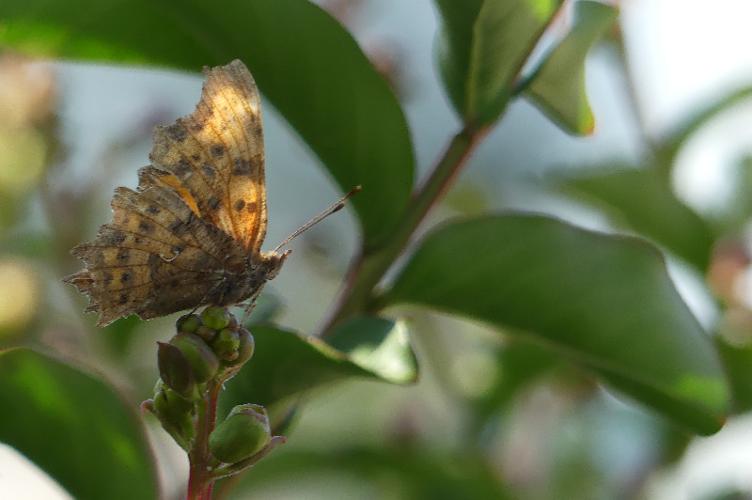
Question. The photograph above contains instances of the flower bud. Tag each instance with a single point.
(204, 363)
(188, 323)
(206, 333)
(226, 344)
(174, 369)
(245, 349)
(216, 318)
(175, 415)
(233, 325)
(244, 433)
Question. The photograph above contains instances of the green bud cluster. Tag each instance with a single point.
(209, 348)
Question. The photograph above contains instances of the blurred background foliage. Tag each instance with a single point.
(546, 362)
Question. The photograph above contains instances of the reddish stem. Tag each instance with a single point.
(200, 480)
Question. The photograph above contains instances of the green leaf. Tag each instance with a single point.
(520, 364)
(642, 199)
(737, 359)
(671, 145)
(733, 340)
(606, 302)
(286, 363)
(75, 427)
(558, 87)
(396, 472)
(304, 62)
(482, 47)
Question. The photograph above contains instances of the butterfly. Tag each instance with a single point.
(191, 233)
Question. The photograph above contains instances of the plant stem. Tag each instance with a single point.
(200, 480)
(371, 264)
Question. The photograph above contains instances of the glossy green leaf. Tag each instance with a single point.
(482, 47)
(286, 363)
(605, 302)
(558, 87)
(75, 427)
(642, 199)
(397, 472)
(304, 62)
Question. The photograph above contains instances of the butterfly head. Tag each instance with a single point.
(270, 265)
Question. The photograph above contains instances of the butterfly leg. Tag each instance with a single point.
(208, 294)
(251, 305)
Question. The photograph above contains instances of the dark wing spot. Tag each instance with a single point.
(178, 228)
(242, 167)
(239, 205)
(213, 203)
(115, 237)
(107, 278)
(152, 209)
(176, 132)
(177, 249)
(252, 207)
(125, 277)
(195, 157)
(123, 299)
(123, 255)
(217, 150)
(145, 226)
(182, 168)
(208, 170)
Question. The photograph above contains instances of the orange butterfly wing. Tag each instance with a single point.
(216, 155)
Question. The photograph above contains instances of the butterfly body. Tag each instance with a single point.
(191, 233)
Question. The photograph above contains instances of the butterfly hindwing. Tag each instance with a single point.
(154, 259)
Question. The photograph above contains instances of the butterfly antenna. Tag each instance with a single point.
(334, 207)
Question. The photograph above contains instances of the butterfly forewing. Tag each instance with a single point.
(217, 154)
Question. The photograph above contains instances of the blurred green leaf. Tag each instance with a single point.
(671, 145)
(642, 200)
(120, 335)
(558, 87)
(604, 301)
(304, 62)
(401, 473)
(286, 363)
(482, 47)
(520, 363)
(75, 427)
(737, 208)
(737, 360)
(28, 244)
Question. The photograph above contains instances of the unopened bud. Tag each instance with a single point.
(174, 369)
(216, 318)
(175, 414)
(226, 344)
(206, 333)
(188, 323)
(245, 349)
(204, 363)
(243, 433)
